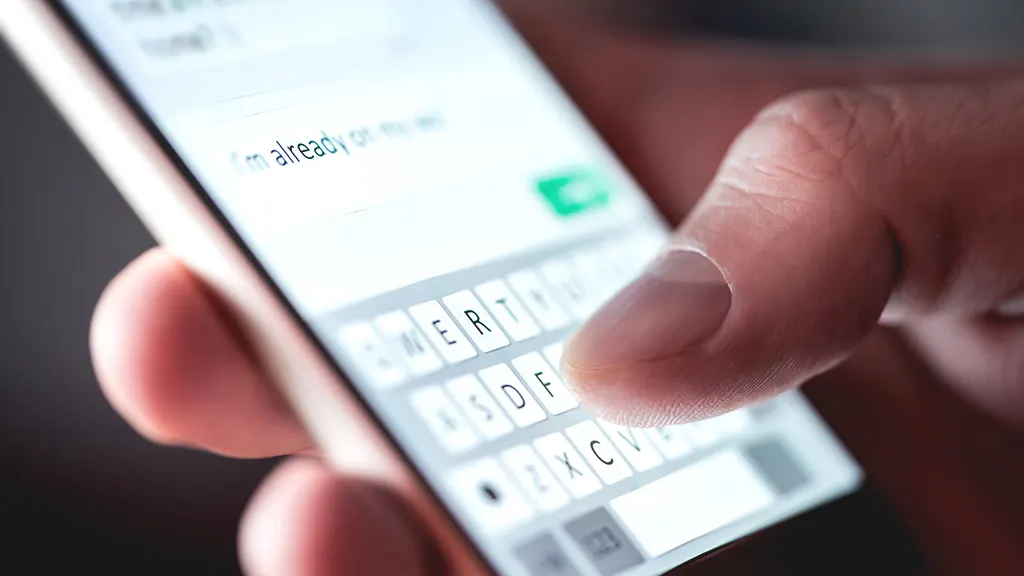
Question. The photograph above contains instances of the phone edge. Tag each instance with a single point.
(166, 202)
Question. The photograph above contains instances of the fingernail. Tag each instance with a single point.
(678, 303)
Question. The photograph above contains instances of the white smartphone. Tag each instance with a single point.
(409, 216)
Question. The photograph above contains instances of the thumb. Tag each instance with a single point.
(830, 208)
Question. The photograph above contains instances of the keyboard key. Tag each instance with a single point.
(625, 262)
(635, 446)
(567, 465)
(735, 422)
(670, 440)
(596, 273)
(534, 477)
(442, 332)
(545, 383)
(542, 556)
(481, 409)
(554, 355)
(692, 502)
(409, 343)
(633, 254)
(508, 310)
(568, 283)
(443, 420)
(599, 452)
(489, 496)
(476, 321)
(603, 542)
(763, 411)
(512, 395)
(645, 246)
(776, 466)
(702, 434)
(367, 350)
(539, 300)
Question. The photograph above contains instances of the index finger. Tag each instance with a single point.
(170, 362)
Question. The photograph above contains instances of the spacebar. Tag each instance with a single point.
(691, 502)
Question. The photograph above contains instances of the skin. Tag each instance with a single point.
(860, 188)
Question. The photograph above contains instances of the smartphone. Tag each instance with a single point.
(409, 216)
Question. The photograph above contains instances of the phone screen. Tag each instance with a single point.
(441, 217)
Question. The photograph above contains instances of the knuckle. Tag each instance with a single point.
(823, 119)
(815, 144)
(841, 129)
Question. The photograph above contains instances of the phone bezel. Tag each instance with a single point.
(139, 114)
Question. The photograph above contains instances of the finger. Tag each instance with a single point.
(830, 206)
(923, 447)
(305, 521)
(670, 108)
(169, 361)
(982, 358)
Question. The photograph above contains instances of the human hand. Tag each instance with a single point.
(171, 362)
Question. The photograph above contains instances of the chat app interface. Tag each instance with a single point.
(442, 217)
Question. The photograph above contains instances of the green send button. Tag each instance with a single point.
(574, 192)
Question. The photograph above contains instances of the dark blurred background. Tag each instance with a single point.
(77, 486)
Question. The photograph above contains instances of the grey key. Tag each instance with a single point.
(604, 542)
(764, 410)
(776, 465)
(542, 556)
